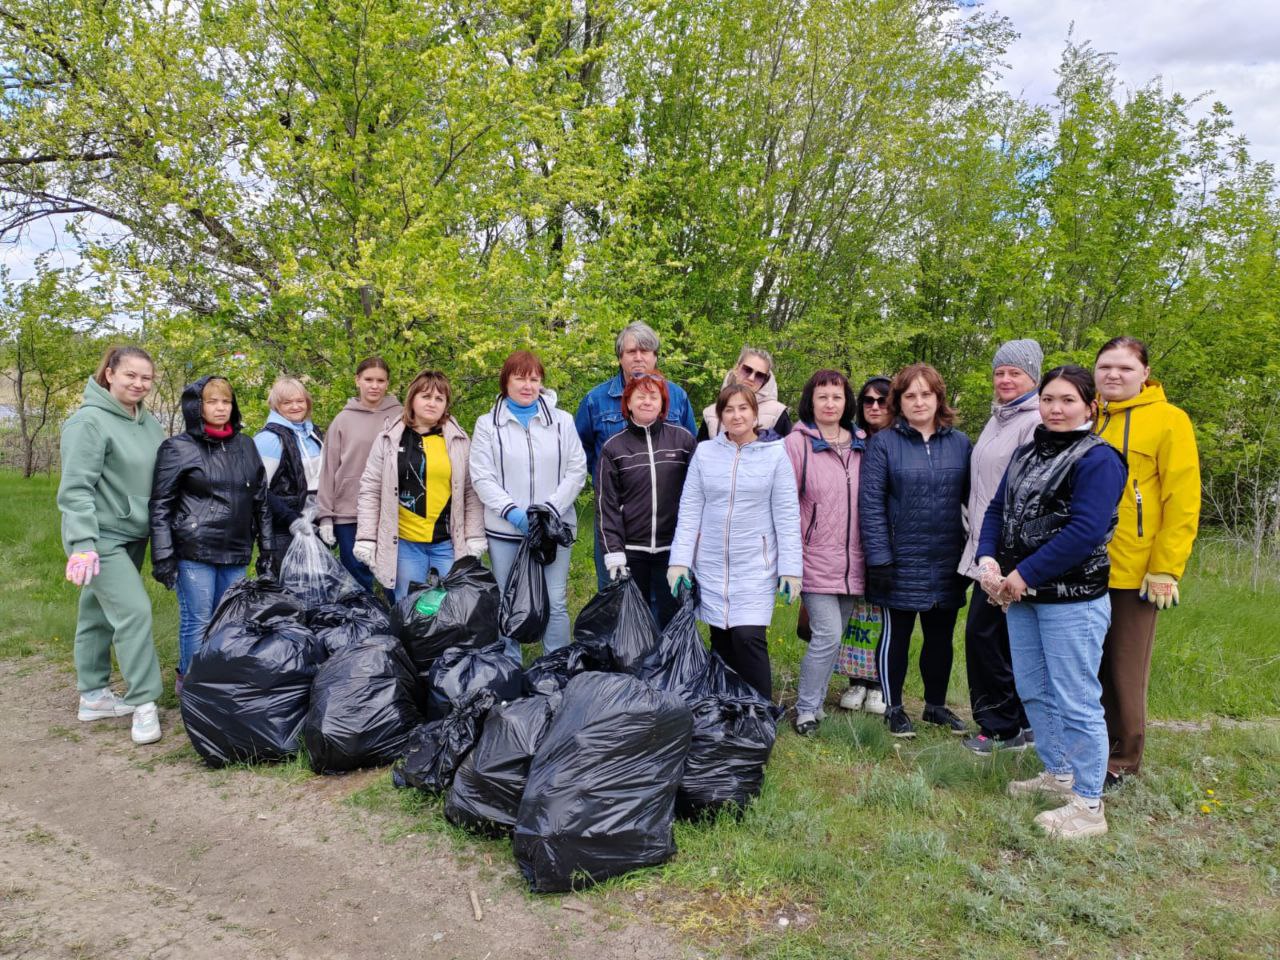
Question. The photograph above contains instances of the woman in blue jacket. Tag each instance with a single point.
(914, 481)
(738, 531)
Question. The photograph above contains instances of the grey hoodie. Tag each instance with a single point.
(1011, 425)
(346, 450)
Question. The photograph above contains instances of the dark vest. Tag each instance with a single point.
(289, 482)
(1037, 504)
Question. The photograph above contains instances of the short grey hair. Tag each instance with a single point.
(641, 333)
(285, 387)
(764, 355)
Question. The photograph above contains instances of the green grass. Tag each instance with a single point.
(867, 846)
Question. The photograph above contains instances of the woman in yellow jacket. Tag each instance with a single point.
(1159, 515)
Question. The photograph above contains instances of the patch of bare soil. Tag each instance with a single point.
(112, 850)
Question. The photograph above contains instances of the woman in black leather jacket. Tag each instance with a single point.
(208, 505)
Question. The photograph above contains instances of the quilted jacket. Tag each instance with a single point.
(828, 487)
(909, 505)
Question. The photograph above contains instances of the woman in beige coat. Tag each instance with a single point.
(417, 509)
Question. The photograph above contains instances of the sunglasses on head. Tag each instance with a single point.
(870, 401)
(752, 373)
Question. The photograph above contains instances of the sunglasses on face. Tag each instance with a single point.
(875, 401)
(751, 373)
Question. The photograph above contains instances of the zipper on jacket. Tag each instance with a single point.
(1137, 499)
(813, 518)
(848, 525)
(528, 436)
(728, 517)
(653, 492)
(764, 551)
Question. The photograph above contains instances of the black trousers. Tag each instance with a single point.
(746, 650)
(997, 709)
(649, 571)
(935, 654)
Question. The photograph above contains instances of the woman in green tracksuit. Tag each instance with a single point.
(108, 454)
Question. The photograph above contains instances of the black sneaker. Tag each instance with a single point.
(984, 746)
(1029, 736)
(899, 723)
(1112, 781)
(944, 718)
(806, 724)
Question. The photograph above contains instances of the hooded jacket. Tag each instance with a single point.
(209, 496)
(639, 478)
(739, 529)
(772, 416)
(379, 503)
(827, 485)
(281, 441)
(108, 457)
(599, 415)
(512, 466)
(346, 451)
(909, 509)
(1160, 510)
(1011, 425)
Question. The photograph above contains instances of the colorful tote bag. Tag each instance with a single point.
(857, 658)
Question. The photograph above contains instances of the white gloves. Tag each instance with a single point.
(301, 527)
(1160, 589)
(676, 576)
(326, 533)
(476, 548)
(362, 551)
(789, 588)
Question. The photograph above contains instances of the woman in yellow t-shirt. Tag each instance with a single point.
(417, 510)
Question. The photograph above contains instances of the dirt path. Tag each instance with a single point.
(106, 852)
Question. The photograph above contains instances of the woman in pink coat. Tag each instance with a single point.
(825, 449)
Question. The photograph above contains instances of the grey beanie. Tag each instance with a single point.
(1026, 355)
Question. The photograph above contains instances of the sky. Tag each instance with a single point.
(1228, 50)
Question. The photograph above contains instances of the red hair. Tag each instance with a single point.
(521, 363)
(649, 380)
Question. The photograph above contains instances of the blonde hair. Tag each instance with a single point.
(214, 384)
(285, 387)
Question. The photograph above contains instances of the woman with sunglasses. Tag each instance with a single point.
(914, 484)
(871, 416)
(754, 370)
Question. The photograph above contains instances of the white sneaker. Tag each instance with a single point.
(853, 698)
(874, 702)
(102, 704)
(1042, 782)
(146, 724)
(1074, 820)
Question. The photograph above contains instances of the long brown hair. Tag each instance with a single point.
(433, 381)
(111, 360)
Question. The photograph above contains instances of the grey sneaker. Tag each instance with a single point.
(146, 724)
(1029, 736)
(1074, 820)
(1043, 782)
(984, 746)
(102, 705)
(806, 724)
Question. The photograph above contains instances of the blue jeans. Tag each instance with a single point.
(502, 555)
(1056, 650)
(602, 572)
(345, 534)
(828, 614)
(414, 560)
(200, 588)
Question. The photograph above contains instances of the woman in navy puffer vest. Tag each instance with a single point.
(915, 479)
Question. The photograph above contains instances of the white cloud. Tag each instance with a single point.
(1227, 50)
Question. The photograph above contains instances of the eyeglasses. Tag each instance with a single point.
(875, 401)
(751, 373)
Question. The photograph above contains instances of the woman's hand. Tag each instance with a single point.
(1014, 589)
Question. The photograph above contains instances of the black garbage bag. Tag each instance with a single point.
(618, 627)
(458, 673)
(526, 607)
(363, 707)
(247, 689)
(348, 621)
(260, 598)
(552, 671)
(600, 799)
(436, 749)
(680, 661)
(487, 788)
(547, 533)
(460, 610)
(732, 740)
(309, 569)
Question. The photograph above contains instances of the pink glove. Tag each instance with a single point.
(83, 567)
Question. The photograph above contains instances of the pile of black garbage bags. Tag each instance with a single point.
(585, 759)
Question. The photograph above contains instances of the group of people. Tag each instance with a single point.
(1072, 519)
